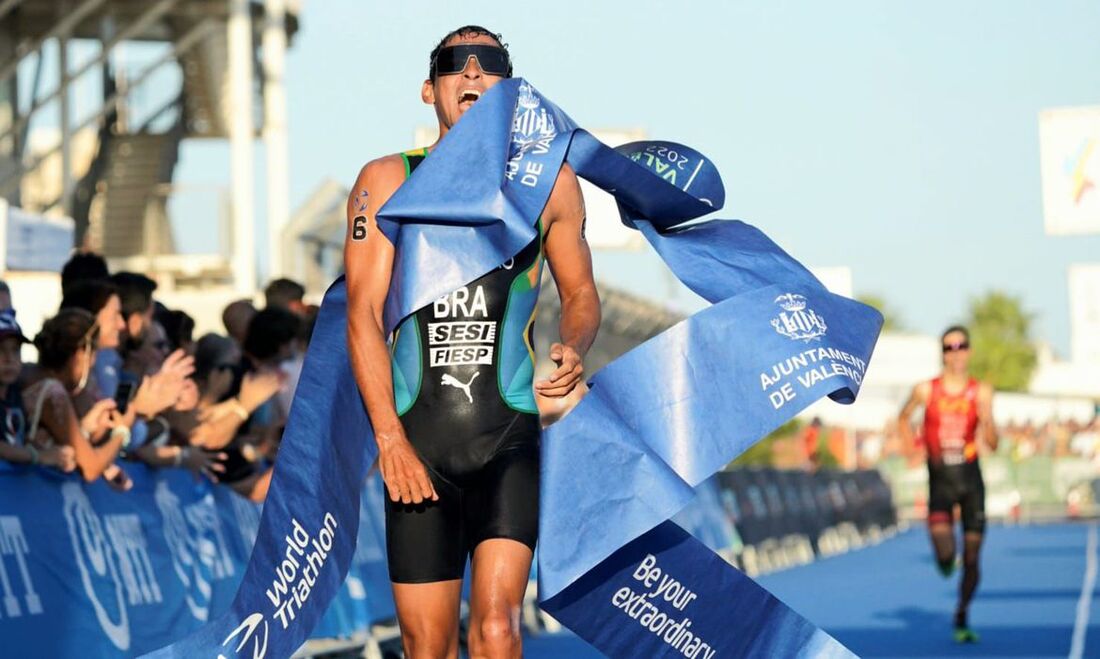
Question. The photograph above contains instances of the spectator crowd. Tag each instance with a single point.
(817, 444)
(121, 379)
(1017, 440)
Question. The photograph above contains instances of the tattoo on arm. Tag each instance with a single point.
(584, 227)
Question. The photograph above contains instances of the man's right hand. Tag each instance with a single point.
(403, 472)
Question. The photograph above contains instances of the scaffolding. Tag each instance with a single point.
(114, 175)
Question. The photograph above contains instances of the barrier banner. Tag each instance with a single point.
(86, 571)
(657, 422)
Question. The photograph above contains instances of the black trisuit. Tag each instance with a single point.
(463, 369)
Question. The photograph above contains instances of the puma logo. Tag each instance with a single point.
(451, 381)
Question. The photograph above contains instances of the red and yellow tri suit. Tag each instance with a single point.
(950, 437)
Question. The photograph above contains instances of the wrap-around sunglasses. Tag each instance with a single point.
(493, 60)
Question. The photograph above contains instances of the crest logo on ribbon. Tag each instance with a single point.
(796, 322)
(531, 126)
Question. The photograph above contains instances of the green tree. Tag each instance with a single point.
(892, 321)
(760, 453)
(1003, 353)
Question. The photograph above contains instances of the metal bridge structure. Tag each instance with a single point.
(111, 170)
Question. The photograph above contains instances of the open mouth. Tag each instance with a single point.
(468, 97)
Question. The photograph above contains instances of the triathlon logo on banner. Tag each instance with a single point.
(194, 537)
(131, 577)
(95, 561)
(13, 543)
(796, 322)
(247, 630)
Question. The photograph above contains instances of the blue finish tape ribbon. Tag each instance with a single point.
(657, 422)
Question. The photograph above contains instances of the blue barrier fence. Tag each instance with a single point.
(86, 571)
(789, 517)
(90, 572)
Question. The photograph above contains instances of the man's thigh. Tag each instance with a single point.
(500, 571)
(428, 614)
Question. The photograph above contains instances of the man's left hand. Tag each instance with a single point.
(568, 373)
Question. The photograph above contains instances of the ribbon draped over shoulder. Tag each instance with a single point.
(657, 422)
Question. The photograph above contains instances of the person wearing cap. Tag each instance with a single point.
(14, 448)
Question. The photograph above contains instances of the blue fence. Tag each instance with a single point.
(789, 517)
(89, 572)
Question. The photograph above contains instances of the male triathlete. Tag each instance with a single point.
(958, 413)
(451, 398)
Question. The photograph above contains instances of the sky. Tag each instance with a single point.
(898, 139)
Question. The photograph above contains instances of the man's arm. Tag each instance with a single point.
(570, 262)
(368, 262)
(917, 398)
(987, 429)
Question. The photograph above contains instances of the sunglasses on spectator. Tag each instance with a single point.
(956, 347)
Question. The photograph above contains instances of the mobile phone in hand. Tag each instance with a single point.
(123, 394)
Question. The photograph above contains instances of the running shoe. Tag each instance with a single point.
(965, 635)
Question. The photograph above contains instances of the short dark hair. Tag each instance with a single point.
(464, 31)
(90, 295)
(211, 351)
(955, 328)
(83, 266)
(309, 321)
(62, 336)
(135, 292)
(179, 327)
(270, 329)
(281, 292)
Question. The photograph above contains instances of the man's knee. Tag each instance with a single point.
(499, 630)
(428, 640)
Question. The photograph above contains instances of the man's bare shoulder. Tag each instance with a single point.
(385, 169)
(567, 185)
(565, 200)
